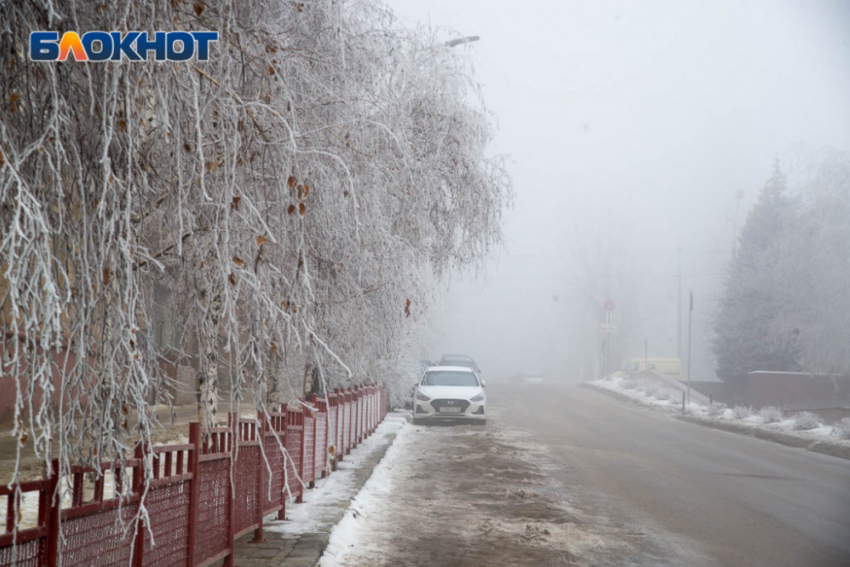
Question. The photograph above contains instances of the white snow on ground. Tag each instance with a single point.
(322, 503)
(349, 532)
(671, 400)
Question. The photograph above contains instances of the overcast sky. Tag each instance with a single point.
(630, 127)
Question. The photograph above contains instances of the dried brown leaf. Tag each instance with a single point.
(302, 208)
(239, 261)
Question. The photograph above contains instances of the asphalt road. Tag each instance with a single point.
(696, 495)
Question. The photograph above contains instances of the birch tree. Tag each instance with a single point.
(298, 194)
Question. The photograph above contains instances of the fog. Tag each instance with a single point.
(632, 129)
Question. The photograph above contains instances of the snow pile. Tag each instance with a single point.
(320, 507)
(806, 421)
(348, 533)
(771, 414)
(842, 429)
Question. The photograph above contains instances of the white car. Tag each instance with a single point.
(450, 392)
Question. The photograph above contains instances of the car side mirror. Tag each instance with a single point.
(483, 384)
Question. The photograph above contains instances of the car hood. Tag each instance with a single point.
(453, 392)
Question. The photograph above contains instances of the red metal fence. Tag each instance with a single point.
(204, 494)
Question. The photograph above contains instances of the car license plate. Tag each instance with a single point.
(449, 410)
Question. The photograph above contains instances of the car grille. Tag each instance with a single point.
(462, 404)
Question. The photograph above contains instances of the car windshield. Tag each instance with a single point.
(465, 362)
(449, 378)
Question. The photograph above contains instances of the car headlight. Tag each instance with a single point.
(478, 398)
(422, 397)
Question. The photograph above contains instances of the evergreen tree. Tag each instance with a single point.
(744, 339)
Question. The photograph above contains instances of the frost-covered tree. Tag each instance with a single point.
(287, 204)
(750, 304)
(813, 277)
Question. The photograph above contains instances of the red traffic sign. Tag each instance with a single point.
(609, 305)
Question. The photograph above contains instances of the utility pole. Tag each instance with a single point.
(679, 309)
(690, 320)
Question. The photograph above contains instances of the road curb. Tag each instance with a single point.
(834, 449)
(826, 447)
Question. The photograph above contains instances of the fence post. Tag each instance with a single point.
(281, 514)
(233, 421)
(340, 424)
(355, 406)
(315, 415)
(138, 489)
(53, 506)
(194, 490)
(260, 431)
(300, 498)
(372, 406)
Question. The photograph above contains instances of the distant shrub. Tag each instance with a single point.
(629, 384)
(716, 408)
(662, 395)
(650, 391)
(770, 414)
(842, 429)
(806, 420)
(741, 412)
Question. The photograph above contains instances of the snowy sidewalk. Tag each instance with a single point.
(301, 539)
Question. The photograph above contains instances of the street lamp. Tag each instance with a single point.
(461, 40)
(679, 309)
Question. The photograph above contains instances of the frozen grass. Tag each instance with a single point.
(770, 414)
(842, 429)
(741, 412)
(805, 420)
(716, 409)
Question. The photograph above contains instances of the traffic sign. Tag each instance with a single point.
(609, 305)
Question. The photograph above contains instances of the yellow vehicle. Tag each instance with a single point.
(669, 367)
